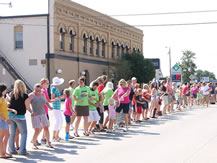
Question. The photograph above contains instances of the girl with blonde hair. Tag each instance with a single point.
(20, 102)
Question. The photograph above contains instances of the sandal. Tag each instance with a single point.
(8, 155)
(35, 147)
(85, 134)
(5, 157)
(50, 146)
(76, 135)
(71, 137)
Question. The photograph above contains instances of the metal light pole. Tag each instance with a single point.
(169, 52)
(48, 45)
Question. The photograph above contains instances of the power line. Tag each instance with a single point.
(139, 25)
(159, 13)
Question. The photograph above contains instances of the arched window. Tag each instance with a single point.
(85, 37)
(127, 49)
(122, 49)
(97, 46)
(103, 47)
(134, 49)
(91, 45)
(62, 32)
(18, 33)
(118, 49)
(72, 40)
(113, 49)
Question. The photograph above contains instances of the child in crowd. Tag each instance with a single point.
(139, 102)
(199, 99)
(68, 112)
(179, 97)
(112, 114)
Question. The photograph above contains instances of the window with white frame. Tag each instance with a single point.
(91, 45)
(103, 47)
(113, 49)
(62, 32)
(97, 46)
(72, 40)
(85, 43)
(18, 32)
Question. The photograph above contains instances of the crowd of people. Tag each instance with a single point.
(102, 108)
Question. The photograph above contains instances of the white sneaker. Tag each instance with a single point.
(115, 127)
(126, 129)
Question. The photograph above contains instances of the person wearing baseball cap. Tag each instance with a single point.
(56, 96)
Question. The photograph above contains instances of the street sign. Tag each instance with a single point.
(176, 73)
(156, 63)
(192, 77)
(204, 79)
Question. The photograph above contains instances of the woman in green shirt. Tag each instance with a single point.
(81, 96)
(107, 93)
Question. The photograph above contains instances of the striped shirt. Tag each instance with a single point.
(56, 105)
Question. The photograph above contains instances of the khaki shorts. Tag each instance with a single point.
(206, 98)
(185, 98)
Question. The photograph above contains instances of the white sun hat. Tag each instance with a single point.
(57, 81)
(133, 78)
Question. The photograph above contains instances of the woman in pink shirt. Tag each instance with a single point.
(194, 91)
(123, 93)
(44, 84)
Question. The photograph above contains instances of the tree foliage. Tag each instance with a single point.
(201, 73)
(134, 64)
(188, 65)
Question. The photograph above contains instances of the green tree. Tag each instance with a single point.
(188, 65)
(134, 64)
(201, 73)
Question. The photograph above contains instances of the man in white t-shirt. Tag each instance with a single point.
(205, 92)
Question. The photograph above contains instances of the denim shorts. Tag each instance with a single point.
(3, 125)
(131, 104)
(124, 107)
(68, 119)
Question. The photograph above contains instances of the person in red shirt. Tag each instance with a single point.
(100, 109)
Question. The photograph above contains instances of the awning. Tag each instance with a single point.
(98, 39)
(85, 35)
(103, 40)
(62, 30)
(92, 38)
(73, 33)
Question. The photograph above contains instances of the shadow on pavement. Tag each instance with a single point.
(80, 143)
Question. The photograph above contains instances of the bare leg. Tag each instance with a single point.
(77, 124)
(85, 124)
(35, 136)
(106, 120)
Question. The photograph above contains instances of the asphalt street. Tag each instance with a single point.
(182, 137)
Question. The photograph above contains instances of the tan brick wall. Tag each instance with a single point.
(72, 16)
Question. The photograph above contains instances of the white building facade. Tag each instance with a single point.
(23, 43)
